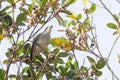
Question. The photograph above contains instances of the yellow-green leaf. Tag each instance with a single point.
(118, 57)
(85, 2)
(72, 16)
(112, 25)
(92, 61)
(1, 36)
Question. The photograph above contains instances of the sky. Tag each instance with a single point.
(104, 35)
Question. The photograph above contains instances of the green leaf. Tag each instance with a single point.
(24, 10)
(112, 25)
(19, 52)
(20, 43)
(92, 8)
(40, 58)
(25, 70)
(116, 32)
(55, 51)
(64, 23)
(100, 64)
(10, 1)
(84, 68)
(60, 61)
(63, 1)
(67, 12)
(30, 8)
(12, 76)
(98, 73)
(92, 61)
(75, 65)
(21, 17)
(63, 54)
(71, 22)
(41, 21)
(26, 49)
(8, 54)
(38, 76)
(42, 3)
(6, 8)
(2, 74)
(63, 70)
(69, 2)
(79, 16)
(118, 57)
(6, 19)
(68, 63)
(86, 23)
(6, 61)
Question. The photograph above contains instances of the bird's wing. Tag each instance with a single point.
(33, 46)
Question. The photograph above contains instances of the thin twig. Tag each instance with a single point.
(97, 46)
(113, 46)
(110, 12)
(112, 72)
(92, 52)
(95, 39)
(118, 1)
(8, 66)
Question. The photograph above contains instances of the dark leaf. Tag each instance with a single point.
(56, 51)
(98, 73)
(6, 8)
(67, 12)
(21, 17)
(60, 61)
(100, 64)
(24, 10)
(26, 49)
(116, 32)
(12, 76)
(63, 54)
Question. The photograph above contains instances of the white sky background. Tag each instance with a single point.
(104, 34)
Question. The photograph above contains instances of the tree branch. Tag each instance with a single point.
(110, 13)
(113, 46)
(118, 1)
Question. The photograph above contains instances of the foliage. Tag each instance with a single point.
(57, 62)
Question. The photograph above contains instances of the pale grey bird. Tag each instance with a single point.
(40, 42)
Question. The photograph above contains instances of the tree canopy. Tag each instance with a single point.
(21, 20)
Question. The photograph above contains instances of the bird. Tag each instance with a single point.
(40, 42)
